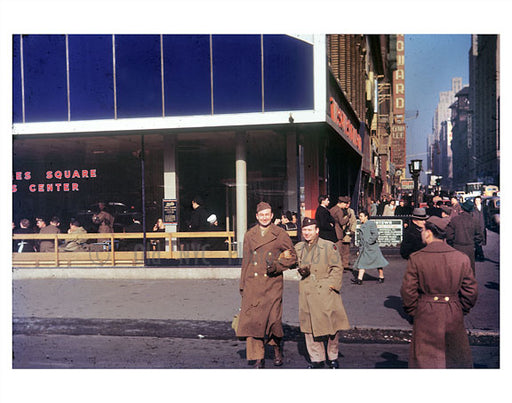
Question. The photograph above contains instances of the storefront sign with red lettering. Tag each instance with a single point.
(54, 181)
(345, 124)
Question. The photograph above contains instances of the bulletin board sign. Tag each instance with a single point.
(170, 211)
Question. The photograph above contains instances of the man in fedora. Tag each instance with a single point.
(464, 232)
(267, 252)
(411, 241)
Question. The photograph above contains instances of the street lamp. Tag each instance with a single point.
(414, 170)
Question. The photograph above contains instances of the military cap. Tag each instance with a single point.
(308, 221)
(263, 206)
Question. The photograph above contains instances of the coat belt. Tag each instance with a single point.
(440, 298)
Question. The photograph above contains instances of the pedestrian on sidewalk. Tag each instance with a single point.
(267, 252)
(438, 289)
(321, 311)
(370, 255)
(463, 232)
(345, 226)
(324, 219)
(411, 241)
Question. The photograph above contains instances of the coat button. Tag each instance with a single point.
(446, 299)
(436, 298)
(255, 263)
(255, 274)
(265, 275)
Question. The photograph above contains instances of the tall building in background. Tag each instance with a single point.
(475, 117)
(439, 147)
(484, 98)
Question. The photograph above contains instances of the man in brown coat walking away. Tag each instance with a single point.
(463, 232)
(438, 289)
(268, 251)
(321, 311)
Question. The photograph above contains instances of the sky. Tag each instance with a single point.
(431, 61)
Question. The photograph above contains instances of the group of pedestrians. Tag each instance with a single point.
(437, 290)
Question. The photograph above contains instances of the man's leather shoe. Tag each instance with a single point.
(380, 280)
(315, 365)
(356, 281)
(333, 364)
(259, 364)
(278, 356)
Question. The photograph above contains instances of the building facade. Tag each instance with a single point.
(156, 120)
(439, 144)
(484, 75)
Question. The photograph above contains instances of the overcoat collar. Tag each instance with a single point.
(437, 247)
(258, 241)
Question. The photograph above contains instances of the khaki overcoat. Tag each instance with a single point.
(438, 288)
(321, 310)
(262, 295)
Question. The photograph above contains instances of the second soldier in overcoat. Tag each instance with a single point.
(321, 310)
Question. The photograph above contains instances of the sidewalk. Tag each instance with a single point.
(187, 294)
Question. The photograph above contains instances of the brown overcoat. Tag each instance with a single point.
(48, 245)
(321, 310)
(262, 295)
(438, 288)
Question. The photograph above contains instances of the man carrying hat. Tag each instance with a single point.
(464, 232)
(321, 311)
(411, 241)
(267, 252)
(438, 289)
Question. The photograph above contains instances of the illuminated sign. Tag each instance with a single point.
(60, 185)
(345, 124)
(399, 80)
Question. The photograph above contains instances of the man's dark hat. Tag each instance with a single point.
(468, 206)
(198, 200)
(308, 221)
(419, 213)
(446, 209)
(263, 206)
(344, 199)
(438, 222)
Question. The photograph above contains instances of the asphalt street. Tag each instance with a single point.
(62, 322)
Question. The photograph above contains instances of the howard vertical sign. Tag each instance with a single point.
(398, 127)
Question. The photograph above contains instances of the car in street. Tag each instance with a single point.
(491, 211)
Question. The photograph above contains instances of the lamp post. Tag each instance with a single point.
(414, 170)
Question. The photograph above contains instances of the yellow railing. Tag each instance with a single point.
(100, 253)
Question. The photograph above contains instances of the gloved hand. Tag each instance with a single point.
(304, 271)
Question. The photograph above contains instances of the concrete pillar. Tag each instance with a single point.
(241, 190)
(170, 179)
(290, 202)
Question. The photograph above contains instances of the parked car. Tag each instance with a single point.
(491, 211)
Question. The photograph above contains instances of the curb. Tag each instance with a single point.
(214, 330)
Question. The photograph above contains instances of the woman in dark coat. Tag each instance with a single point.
(370, 256)
(438, 289)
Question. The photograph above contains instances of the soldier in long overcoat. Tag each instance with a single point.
(370, 255)
(463, 232)
(267, 252)
(345, 226)
(321, 310)
(438, 289)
